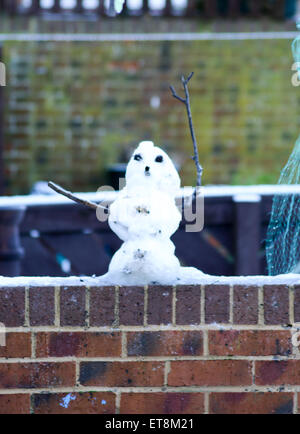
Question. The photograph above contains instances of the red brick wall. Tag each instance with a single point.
(193, 349)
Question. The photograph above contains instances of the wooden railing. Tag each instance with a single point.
(39, 236)
(1, 133)
(206, 8)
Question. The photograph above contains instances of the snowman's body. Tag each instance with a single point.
(144, 216)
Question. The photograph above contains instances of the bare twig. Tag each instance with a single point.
(71, 196)
(186, 102)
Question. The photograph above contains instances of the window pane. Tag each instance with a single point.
(47, 4)
(25, 4)
(68, 4)
(134, 4)
(179, 4)
(90, 4)
(156, 4)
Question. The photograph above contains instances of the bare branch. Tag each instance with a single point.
(189, 77)
(186, 101)
(71, 196)
(176, 96)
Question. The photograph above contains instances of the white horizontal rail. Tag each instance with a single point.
(146, 37)
(108, 196)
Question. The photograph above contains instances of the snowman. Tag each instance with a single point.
(145, 216)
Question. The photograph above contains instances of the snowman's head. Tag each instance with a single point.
(151, 168)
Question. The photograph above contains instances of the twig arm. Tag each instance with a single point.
(71, 196)
(186, 102)
(175, 95)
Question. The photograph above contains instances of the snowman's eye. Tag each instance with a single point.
(138, 157)
(159, 159)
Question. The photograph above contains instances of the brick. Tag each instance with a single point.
(245, 304)
(12, 306)
(16, 345)
(102, 306)
(74, 403)
(72, 306)
(165, 343)
(33, 375)
(276, 372)
(217, 303)
(41, 306)
(122, 374)
(188, 304)
(159, 304)
(249, 342)
(78, 344)
(251, 403)
(15, 404)
(131, 305)
(276, 304)
(210, 373)
(162, 403)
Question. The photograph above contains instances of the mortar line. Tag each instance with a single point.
(56, 359)
(295, 403)
(87, 306)
(27, 317)
(57, 306)
(159, 389)
(166, 372)
(291, 304)
(205, 343)
(33, 345)
(231, 304)
(118, 401)
(261, 306)
(202, 304)
(253, 371)
(77, 372)
(31, 408)
(174, 300)
(145, 305)
(116, 322)
(206, 402)
(124, 345)
(150, 327)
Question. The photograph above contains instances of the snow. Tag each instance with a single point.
(66, 400)
(189, 279)
(56, 199)
(247, 198)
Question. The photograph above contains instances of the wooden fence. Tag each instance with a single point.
(61, 239)
(1, 133)
(192, 8)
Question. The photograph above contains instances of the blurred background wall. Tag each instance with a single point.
(72, 109)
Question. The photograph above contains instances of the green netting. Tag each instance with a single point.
(282, 242)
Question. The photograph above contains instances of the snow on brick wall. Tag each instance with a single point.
(212, 348)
